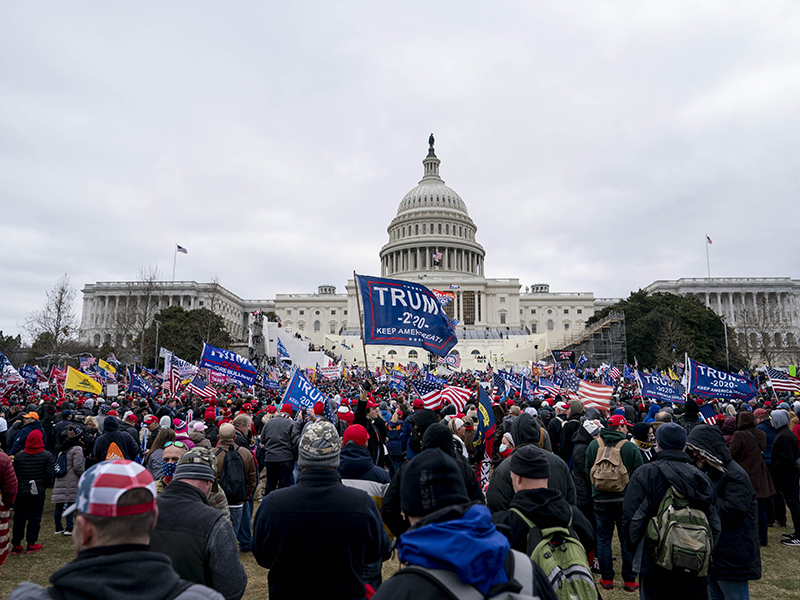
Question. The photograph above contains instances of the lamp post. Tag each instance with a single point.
(155, 357)
(727, 355)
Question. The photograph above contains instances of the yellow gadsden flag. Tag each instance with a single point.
(106, 366)
(81, 382)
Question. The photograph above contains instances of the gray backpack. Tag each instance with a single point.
(521, 571)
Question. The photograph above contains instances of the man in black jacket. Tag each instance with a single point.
(646, 488)
(784, 470)
(368, 415)
(737, 556)
(112, 435)
(34, 470)
(318, 512)
(203, 547)
(30, 422)
(574, 414)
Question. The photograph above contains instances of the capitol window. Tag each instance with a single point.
(447, 229)
(580, 311)
(533, 311)
(502, 299)
(302, 312)
(566, 326)
(416, 229)
(333, 327)
(333, 311)
(533, 327)
(550, 325)
(288, 311)
(404, 232)
(316, 326)
(503, 318)
(423, 228)
(459, 232)
(440, 228)
(566, 311)
(413, 354)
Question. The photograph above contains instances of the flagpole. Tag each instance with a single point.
(174, 261)
(708, 262)
(361, 321)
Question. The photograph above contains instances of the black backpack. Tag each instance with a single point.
(233, 479)
(415, 436)
(60, 467)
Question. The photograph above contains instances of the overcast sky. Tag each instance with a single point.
(594, 143)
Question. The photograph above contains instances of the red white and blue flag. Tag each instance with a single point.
(201, 388)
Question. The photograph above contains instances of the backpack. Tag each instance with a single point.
(113, 452)
(415, 436)
(233, 479)
(60, 467)
(609, 473)
(562, 558)
(519, 570)
(679, 537)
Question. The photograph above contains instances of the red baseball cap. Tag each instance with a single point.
(371, 404)
(357, 433)
(618, 420)
(418, 403)
(286, 408)
(319, 408)
(509, 402)
(271, 409)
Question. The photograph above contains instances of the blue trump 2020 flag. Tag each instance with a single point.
(228, 363)
(659, 388)
(404, 314)
(711, 383)
(300, 393)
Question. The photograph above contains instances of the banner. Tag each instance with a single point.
(139, 385)
(404, 314)
(330, 372)
(560, 355)
(228, 363)
(106, 367)
(28, 373)
(81, 382)
(711, 383)
(300, 393)
(217, 378)
(658, 388)
(184, 368)
(528, 391)
(283, 353)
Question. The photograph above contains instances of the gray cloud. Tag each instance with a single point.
(595, 144)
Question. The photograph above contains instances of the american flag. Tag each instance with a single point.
(548, 386)
(430, 378)
(629, 374)
(782, 382)
(613, 372)
(437, 256)
(431, 394)
(499, 382)
(457, 396)
(596, 395)
(39, 374)
(512, 381)
(182, 250)
(451, 360)
(570, 381)
(201, 388)
(708, 414)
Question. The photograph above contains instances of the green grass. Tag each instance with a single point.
(779, 567)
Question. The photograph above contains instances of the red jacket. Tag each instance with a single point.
(8, 481)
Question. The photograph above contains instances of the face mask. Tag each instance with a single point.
(168, 468)
(503, 447)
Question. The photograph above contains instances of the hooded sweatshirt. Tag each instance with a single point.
(34, 464)
(112, 434)
(737, 553)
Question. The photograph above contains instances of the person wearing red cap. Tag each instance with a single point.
(34, 469)
(608, 504)
(368, 415)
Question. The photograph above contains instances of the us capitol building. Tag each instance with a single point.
(432, 241)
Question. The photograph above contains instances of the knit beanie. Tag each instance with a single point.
(671, 436)
(530, 462)
(575, 407)
(165, 422)
(691, 408)
(210, 415)
(319, 447)
(34, 443)
(431, 481)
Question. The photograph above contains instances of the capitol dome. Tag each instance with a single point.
(432, 230)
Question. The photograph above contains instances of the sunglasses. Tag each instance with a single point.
(176, 444)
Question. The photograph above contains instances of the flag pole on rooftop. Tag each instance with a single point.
(708, 262)
(361, 321)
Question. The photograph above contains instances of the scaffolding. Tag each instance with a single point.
(603, 342)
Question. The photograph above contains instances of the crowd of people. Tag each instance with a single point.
(159, 494)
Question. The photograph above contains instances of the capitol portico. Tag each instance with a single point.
(432, 240)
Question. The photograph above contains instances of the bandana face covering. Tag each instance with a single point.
(168, 468)
(644, 445)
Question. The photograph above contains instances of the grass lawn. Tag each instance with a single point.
(780, 578)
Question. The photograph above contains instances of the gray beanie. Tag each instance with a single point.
(319, 446)
(779, 418)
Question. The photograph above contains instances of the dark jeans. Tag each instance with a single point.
(776, 509)
(394, 463)
(609, 516)
(762, 520)
(789, 489)
(58, 510)
(279, 473)
(669, 587)
(27, 510)
(243, 533)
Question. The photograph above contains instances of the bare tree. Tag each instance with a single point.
(135, 310)
(56, 323)
(766, 333)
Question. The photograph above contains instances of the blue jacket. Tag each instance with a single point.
(394, 443)
(769, 430)
(355, 462)
(19, 440)
(651, 415)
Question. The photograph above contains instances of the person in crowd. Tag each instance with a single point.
(30, 422)
(588, 431)
(203, 548)
(458, 429)
(574, 414)
(394, 445)
(235, 499)
(276, 440)
(289, 518)
(65, 488)
(151, 429)
(690, 417)
(747, 447)
(449, 533)
(34, 470)
(527, 430)
(116, 512)
(114, 444)
(368, 415)
(785, 470)
(8, 494)
(645, 438)
(198, 434)
(556, 423)
(646, 489)
(737, 557)
(154, 456)
(608, 502)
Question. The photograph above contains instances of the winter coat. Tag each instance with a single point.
(689, 422)
(199, 439)
(728, 429)
(292, 520)
(126, 572)
(358, 471)
(375, 429)
(554, 431)
(630, 454)
(651, 414)
(33, 467)
(784, 455)
(65, 489)
(460, 539)
(154, 463)
(394, 444)
(647, 487)
(747, 446)
(583, 488)
(276, 437)
(737, 555)
(769, 431)
(112, 434)
(546, 508)
(249, 465)
(567, 432)
(8, 481)
(203, 549)
(22, 436)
